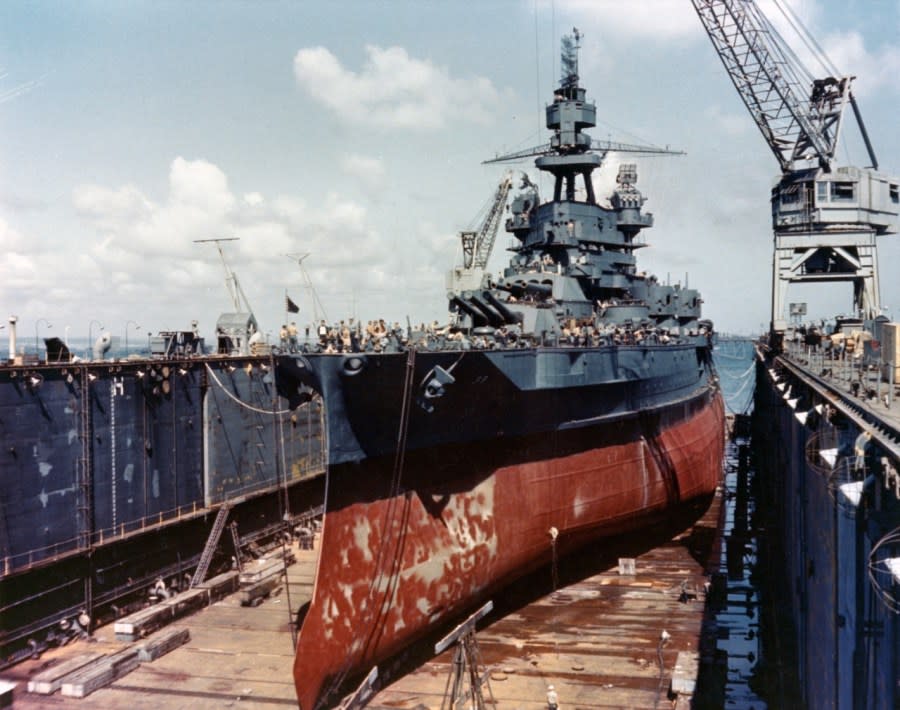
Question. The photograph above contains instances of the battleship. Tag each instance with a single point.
(571, 399)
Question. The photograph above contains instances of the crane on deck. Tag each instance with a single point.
(825, 216)
(477, 245)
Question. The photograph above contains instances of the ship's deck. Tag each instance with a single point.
(596, 639)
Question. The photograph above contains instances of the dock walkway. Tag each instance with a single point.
(859, 384)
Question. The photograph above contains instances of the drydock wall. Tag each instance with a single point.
(110, 474)
(836, 498)
(92, 452)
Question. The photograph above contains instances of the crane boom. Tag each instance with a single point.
(477, 245)
(488, 233)
(480, 244)
(770, 81)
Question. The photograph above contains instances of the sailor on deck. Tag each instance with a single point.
(552, 698)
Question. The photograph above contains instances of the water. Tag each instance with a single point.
(749, 674)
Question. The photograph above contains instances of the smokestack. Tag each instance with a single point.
(12, 337)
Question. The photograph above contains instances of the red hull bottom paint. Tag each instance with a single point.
(398, 563)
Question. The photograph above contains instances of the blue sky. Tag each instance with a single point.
(355, 131)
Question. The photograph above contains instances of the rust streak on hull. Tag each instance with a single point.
(396, 564)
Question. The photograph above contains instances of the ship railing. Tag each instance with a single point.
(849, 370)
(101, 536)
(634, 335)
(36, 556)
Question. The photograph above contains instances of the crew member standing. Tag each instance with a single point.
(552, 698)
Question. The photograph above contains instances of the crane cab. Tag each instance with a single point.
(847, 199)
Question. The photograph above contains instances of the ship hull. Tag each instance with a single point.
(410, 544)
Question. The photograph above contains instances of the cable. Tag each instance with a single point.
(806, 37)
(367, 628)
(243, 404)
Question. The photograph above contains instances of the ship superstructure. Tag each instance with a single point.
(575, 258)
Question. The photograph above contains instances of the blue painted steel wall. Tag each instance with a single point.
(94, 451)
(847, 585)
(246, 431)
(146, 448)
(818, 582)
(848, 640)
(40, 450)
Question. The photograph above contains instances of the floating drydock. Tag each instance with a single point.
(112, 473)
(573, 398)
(832, 470)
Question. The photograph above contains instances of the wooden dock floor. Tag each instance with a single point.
(596, 639)
(237, 657)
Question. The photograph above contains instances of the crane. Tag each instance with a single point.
(478, 244)
(825, 216)
(238, 298)
(317, 306)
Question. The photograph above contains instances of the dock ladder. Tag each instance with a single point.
(211, 543)
(236, 541)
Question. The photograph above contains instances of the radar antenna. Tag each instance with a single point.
(600, 147)
(569, 59)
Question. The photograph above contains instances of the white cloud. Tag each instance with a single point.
(10, 239)
(394, 90)
(368, 170)
(113, 206)
(201, 206)
(17, 268)
(661, 19)
(199, 184)
(144, 249)
(876, 69)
